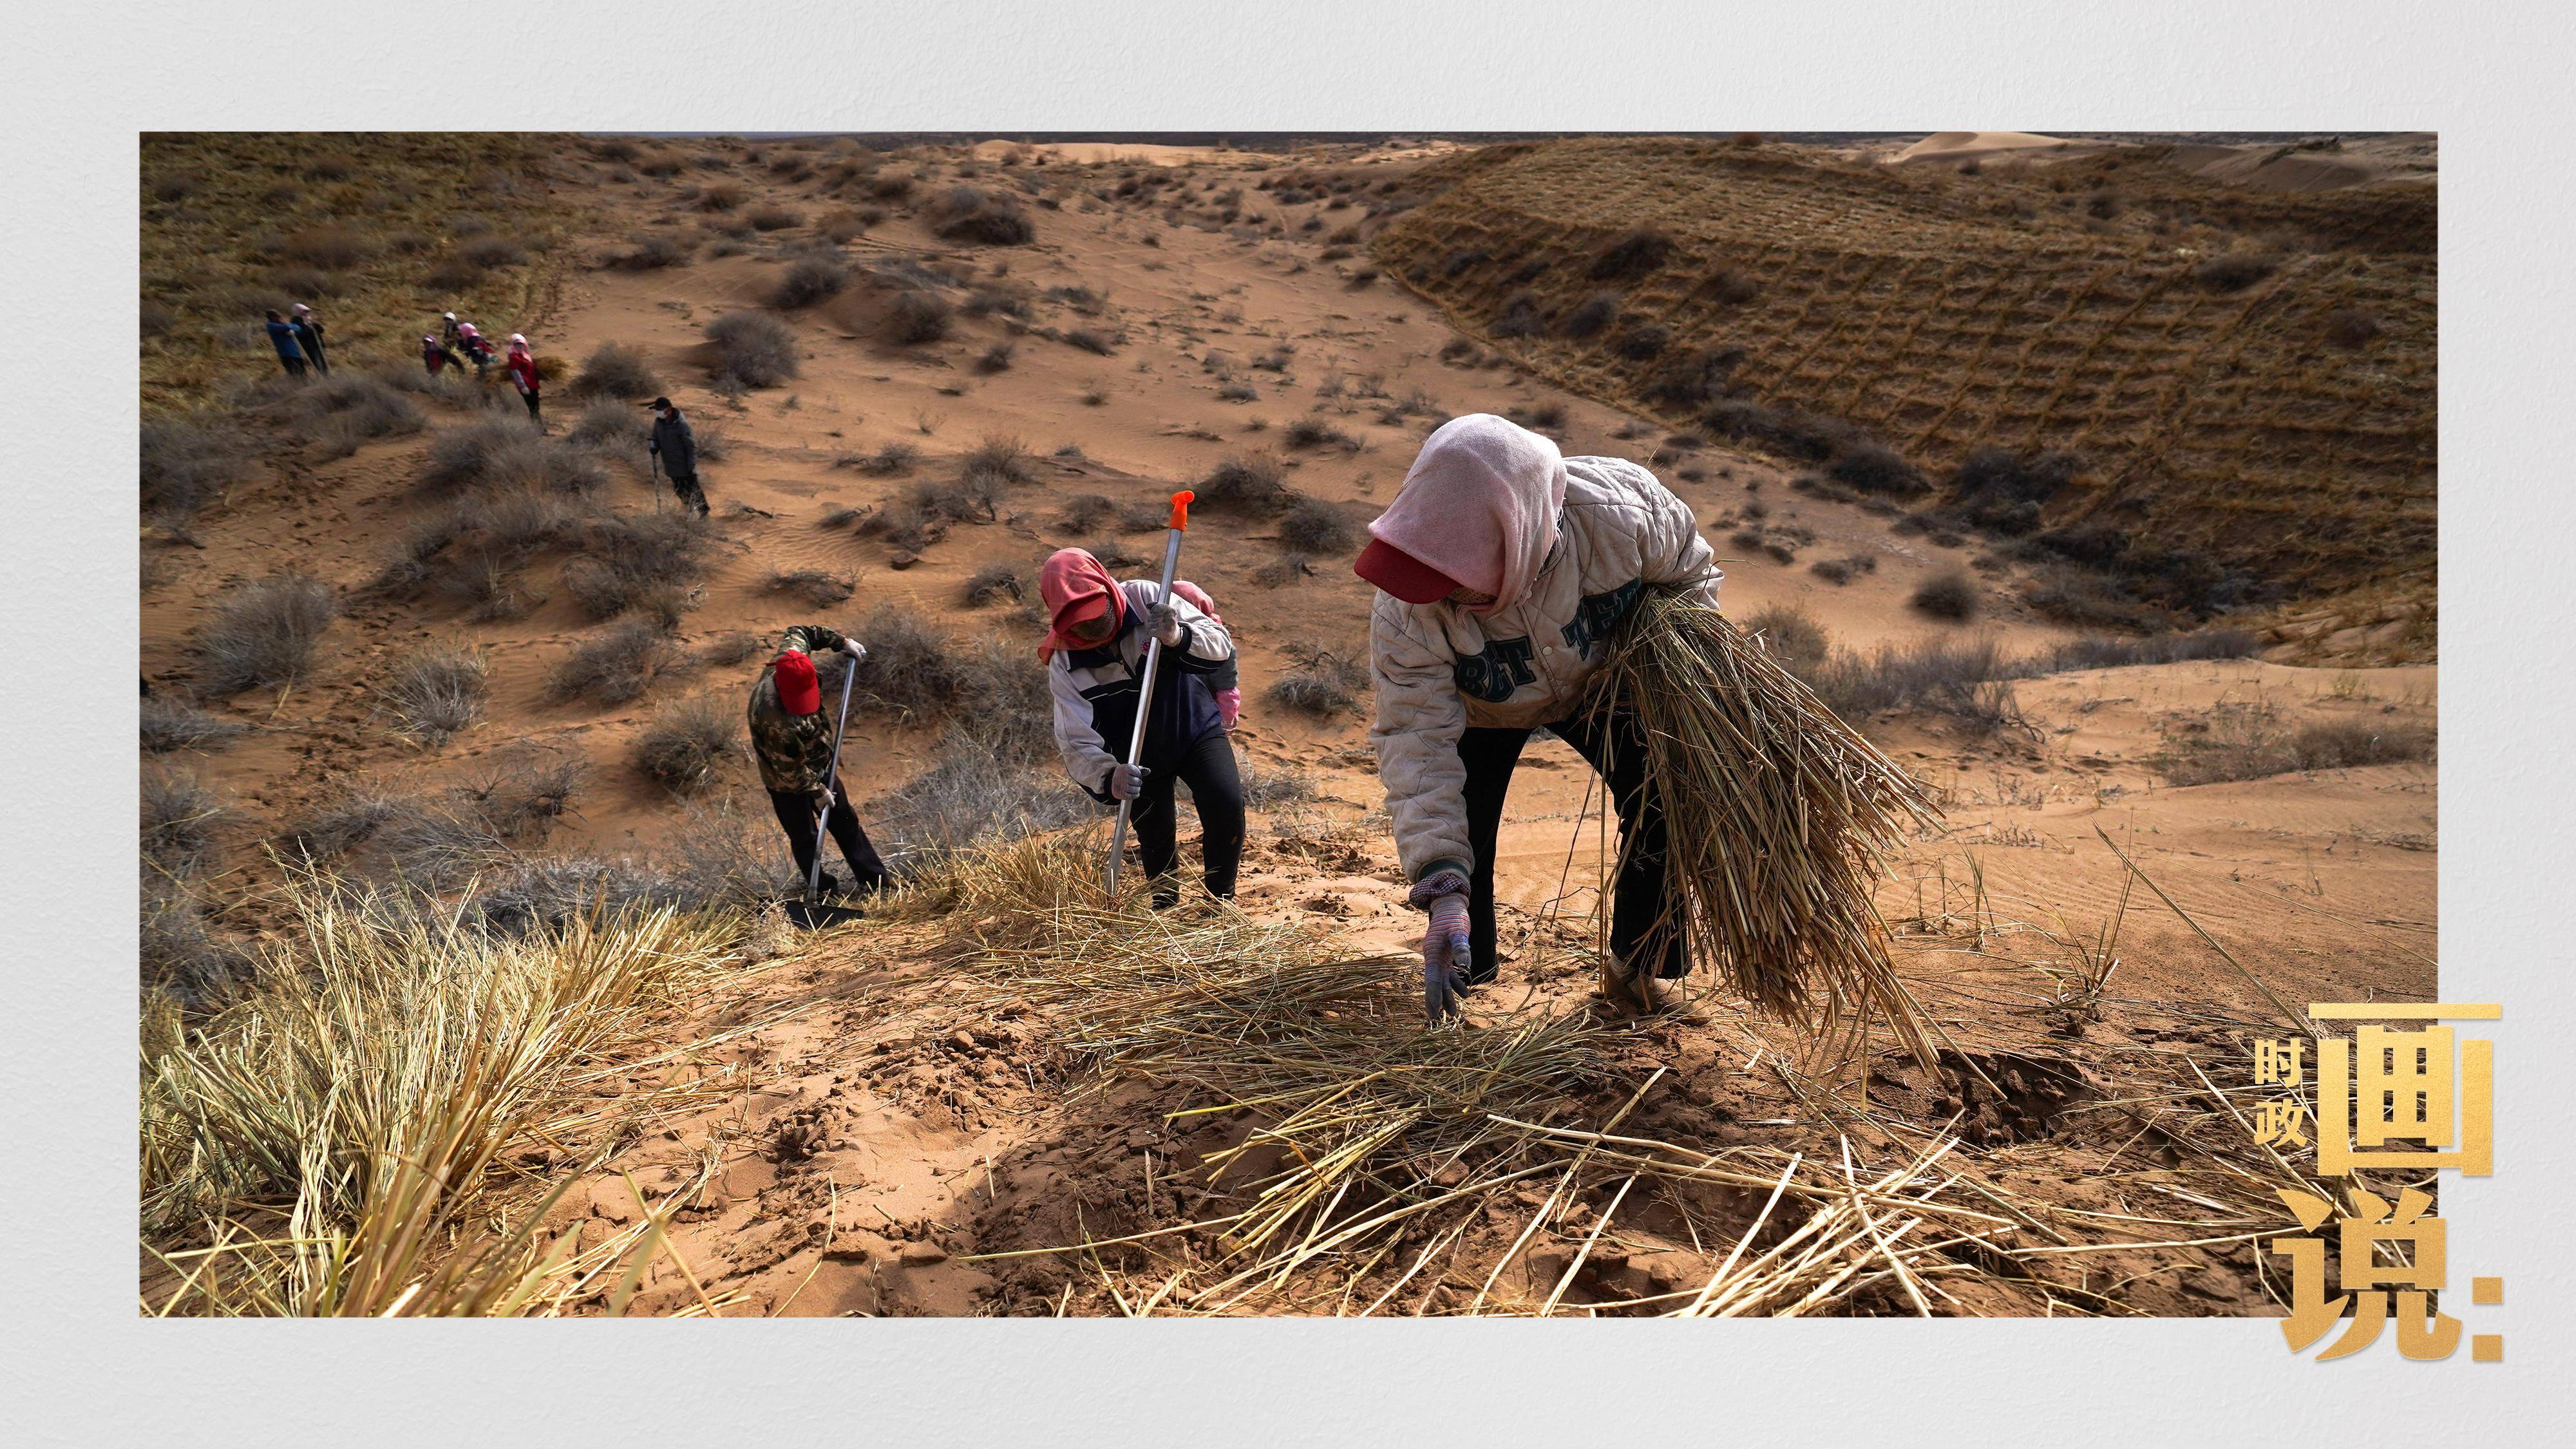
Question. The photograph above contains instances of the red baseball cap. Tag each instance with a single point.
(1403, 575)
(799, 692)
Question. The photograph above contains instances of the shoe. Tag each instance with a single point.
(830, 885)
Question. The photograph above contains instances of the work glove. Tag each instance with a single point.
(825, 796)
(1126, 782)
(1165, 623)
(856, 650)
(1446, 955)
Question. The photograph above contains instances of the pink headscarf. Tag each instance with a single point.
(1071, 576)
(1480, 505)
(518, 343)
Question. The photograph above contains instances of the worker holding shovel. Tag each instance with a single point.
(797, 744)
(1102, 633)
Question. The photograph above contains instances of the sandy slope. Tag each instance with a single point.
(936, 1143)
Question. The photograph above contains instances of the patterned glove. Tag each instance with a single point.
(1126, 782)
(1445, 958)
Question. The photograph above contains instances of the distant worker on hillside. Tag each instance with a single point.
(450, 331)
(477, 350)
(435, 355)
(676, 444)
(281, 335)
(1095, 654)
(791, 736)
(308, 336)
(523, 374)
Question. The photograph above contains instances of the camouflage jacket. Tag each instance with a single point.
(795, 750)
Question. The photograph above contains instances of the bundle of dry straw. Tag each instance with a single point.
(1779, 817)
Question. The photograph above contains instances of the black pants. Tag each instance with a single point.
(294, 366)
(691, 495)
(1217, 791)
(1618, 753)
(796, 813)
(321, 364)
(531, 400)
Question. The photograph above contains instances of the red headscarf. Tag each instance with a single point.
(1070, 583)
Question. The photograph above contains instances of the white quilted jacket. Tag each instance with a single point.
(1439, 668)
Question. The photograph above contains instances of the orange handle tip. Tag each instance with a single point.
(1181, 508)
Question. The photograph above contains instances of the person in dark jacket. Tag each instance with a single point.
(1095, 654)
(435, 354)
(308, 336)
(281, 335)
(677, 446)
(791, 738)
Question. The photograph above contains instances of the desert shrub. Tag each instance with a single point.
(1592, 316)
(1546, 417)
(2351, 327)
(997, 224)
(493, 252)
(1099, 344)
(1284, 570)
(480, 452)
(807, 281)
(2091, 600)
(1793, 637)
(1644, 343)
(914, 672)
(840, 227)
(994, 581)
(178, 816)
(1316, 433)
(177, 185)
(1950, 594)
(774, 218)
(977, 791)
(1695, 380)
(609, 425)
(1323, 683)
(1250, 481)
(1000, 460)
(1641, 250)
(613, 666)
(2100, 652)
(685, 746)
(185, 462)
(616, 370)
(169, 723)
(333, 247)
(753, 350)
(1518, 316)
(2244, 747)
(263, 633)
(916, 317)
(647, 561)
(651, 253)
(1311, 526)
(1114, 553)
(1875, 468)
(2234, 271)
(814, 588)
(723, 196)
(438, 692)
(996, 358)
(339, 412)
(1085, 512)
(1734, 287)
(1952, 676)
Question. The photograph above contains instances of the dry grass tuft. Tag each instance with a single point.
(438, 692)
(264, 633)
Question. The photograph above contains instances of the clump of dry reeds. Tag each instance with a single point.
(325, 1143)
(1779, 816)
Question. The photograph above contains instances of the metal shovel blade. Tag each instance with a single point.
(816, 915)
